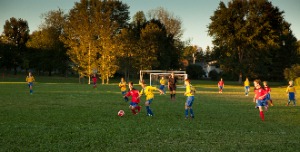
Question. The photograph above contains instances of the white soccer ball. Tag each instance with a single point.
(121, 113)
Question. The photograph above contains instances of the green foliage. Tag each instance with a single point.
(72, 117)
(292, 73)
(214, 75)
(194, 71)
(248, 38)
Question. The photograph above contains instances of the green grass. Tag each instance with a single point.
(75, 117)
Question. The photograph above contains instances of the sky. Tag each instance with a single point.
(195, 14)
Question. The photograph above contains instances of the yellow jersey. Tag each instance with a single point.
(190, 90)
(162, 81)
(122, 86)
(246, 83)
(148, 91)
(291, 89)
(30, 79)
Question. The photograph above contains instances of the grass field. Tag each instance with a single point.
(75, 117)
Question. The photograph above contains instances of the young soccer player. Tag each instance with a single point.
(148, 91)
(122, 86)
(30, 79)
(172, 86)
(221, 85)
(259, 97)
(135, 98)
(291, 92)
(268, 96)
(162, 82)
(94, 78)
(247, 86)
(190, 91)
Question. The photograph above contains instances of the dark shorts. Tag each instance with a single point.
(172, 88)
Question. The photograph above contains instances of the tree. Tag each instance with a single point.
(90, 33)
(47, 44)
(172, 23)
(246, 32)
(16, 32)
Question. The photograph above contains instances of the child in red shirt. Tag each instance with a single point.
(135, 100)
(259, 97)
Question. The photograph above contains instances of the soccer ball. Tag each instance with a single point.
(121, 113)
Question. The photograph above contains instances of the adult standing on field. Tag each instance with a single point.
(172, 86)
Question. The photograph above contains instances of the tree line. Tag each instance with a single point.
(96, 36)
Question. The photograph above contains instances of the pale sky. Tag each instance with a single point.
(195, 14)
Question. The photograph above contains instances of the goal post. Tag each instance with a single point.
(155, 78)
(142, 72)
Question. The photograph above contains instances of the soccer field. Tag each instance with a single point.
(76, 117)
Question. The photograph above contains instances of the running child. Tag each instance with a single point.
(221, 85)
(190, 91)
(162, 82)
(148, 91)
(94, 78)
(135, 99)
(259, 98)
(247, 86)
(30, 79)
(268, 96)
(122, 86)
(291, 92)
(172, 86)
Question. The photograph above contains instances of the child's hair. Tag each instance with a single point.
(130, 82)
(265, 82)
(258, 82)
(188, 80)
(291, 82)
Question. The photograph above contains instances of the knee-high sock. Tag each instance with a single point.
(192, 112)
(147, 109)
(186, 112)
(133, 111)
(262, 116)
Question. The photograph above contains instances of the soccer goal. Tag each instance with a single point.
(155, 78)
(155, 75)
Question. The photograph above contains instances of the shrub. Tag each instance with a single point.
(292, 73)
(214, 75)
(195, 71)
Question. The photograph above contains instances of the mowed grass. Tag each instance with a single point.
(76, 117)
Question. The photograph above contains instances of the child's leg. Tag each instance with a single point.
(191, 112)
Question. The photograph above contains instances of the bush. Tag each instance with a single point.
(195, 71)
(297, 81)
(292, 73)
(214, 75)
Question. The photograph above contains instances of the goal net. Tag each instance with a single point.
(155, 78)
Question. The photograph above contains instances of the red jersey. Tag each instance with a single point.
(260, 93)
(268, 89)
(94, 79)
(134, 95)
(221, 83)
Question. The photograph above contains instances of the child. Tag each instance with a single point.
(172, 86)
(122, 86)
(247, 86)
(94, 78)
(291, 92)
(162, 82)
(135, 99)
(148, 91)
(268, 96)
(30, 79)
(190, 91)
(259, 98)
(221, 85)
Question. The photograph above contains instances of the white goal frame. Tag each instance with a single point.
(185, 76)
(142, 72)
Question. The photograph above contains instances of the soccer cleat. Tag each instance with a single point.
(149, 115)
(192, 117)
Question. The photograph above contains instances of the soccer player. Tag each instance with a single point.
(122, 86)
(30, 79)
(162, 82)
(135, 98)
(94, 78)
(259, 97)
(172, 86)
(221, 85)
(247, 86)
(148, 91)
(268, 96)
(189, 92)
(291, 92)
